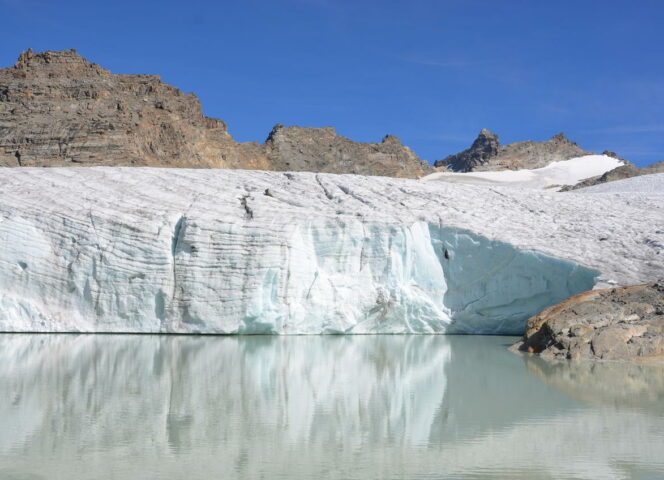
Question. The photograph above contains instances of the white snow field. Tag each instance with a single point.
(553, 176)
(652, 184)
(229, 251)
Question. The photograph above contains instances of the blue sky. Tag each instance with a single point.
(432, 72)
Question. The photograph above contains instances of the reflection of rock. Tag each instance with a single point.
(625, 384)
(612, 324)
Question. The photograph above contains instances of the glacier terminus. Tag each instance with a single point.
(149, 250)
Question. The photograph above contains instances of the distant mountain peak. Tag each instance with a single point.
(486, 153)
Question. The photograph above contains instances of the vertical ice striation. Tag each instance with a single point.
(332, 276)
(162, 251)
(353, 277)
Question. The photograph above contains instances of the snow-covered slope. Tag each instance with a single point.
(159, 250)
(553, 176)
(652, 184)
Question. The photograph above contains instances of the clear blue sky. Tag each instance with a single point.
(432, 72)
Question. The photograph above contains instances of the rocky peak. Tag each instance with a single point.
(484, 148)
(486, 143)
(487, 154)
(59, 109)
(65, 61)
(323, 150)
(560, 138)
(484, 133)
(391, 139)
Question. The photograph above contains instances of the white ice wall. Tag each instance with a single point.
(318, 277)
(150, 250)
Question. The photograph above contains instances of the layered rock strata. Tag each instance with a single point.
(58, 109)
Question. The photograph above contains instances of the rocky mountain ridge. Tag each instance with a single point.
(58, 109)
(487, 154)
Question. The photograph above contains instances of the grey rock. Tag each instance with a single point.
(628, 170)
(486, 154)
(625, 323)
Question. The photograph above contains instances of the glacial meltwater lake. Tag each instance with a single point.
(314, 407)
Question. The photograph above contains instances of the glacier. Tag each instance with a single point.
(148, 250)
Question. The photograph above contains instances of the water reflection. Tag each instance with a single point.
(311, 407)
(638, 386)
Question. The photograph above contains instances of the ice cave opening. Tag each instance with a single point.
(493, 287)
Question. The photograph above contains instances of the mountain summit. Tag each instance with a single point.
(59, 109)
(487, 154)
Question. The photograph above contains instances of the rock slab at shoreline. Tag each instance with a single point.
(625, 323)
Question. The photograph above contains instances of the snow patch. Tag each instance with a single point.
(553, 176)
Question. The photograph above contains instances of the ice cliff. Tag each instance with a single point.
(190, 251)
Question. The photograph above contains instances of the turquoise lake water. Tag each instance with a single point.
(309, 407)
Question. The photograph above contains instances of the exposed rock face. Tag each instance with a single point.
(484, 149)
(626, 171)
(623, 323)
(486, 154)
(322, 150)
(58, 109)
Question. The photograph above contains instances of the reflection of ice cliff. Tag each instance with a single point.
(343, 407)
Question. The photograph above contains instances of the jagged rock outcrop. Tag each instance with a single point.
(628, 170)
(486, 154)
(58, 109)
(322, 150)
(625, 323)
(484, 148)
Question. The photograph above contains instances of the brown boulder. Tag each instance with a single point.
(625, 323)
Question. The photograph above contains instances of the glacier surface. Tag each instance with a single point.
(192, 251)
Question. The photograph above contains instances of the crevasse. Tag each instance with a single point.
(329, 276)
